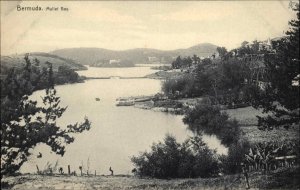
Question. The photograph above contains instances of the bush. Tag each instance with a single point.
(231, 163)
(210, 120)
(172, 160)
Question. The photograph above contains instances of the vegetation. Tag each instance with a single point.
(263, 155)
(66, 75)
(39, 59)
(250, 75)
(62, 72)
(24, 123)
(172, 160)
(223, 82)
(182, 63)
(231, 163)
(179, 87)
(222, 52)
(281, 95)
(285, 178)
(210, 120)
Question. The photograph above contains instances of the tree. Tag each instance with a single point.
(196, 60)
(187, 62)
(255, 47)
(177, 63)
(207, 78)
(24, 124)
(66, 74)
(222, 51)
(244, 43)
(210, 120)
(281, 95)
(183, 84)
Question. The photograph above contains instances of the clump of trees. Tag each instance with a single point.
(66, 75)
(223, 82)
(25, 124)
(180, 63)
(179, 87)
(209, 119)
(170, 159)
(281, 95)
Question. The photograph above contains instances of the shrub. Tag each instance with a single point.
(231, 163)
(172, 160)
(210, 120)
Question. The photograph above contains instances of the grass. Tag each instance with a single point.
(254, 135)
(248, 122)
(283, 178)
(245, 116)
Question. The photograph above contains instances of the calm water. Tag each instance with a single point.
(117, 133)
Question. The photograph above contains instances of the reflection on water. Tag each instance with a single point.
(117, 133)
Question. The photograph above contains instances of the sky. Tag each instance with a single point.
(118, 25)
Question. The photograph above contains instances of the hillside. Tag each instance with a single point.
(18, 61)
(90, 56)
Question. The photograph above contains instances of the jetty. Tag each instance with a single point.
(130, 101)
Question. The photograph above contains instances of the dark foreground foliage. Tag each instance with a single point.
(170, 159)
(24, 123)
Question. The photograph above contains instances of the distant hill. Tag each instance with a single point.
(90, 56)
(18, 61)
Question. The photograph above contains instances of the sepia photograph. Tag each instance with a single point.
(150, 95)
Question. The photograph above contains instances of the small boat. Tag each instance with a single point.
(97, 99)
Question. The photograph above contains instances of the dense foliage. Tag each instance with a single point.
(25, 124)
(182, 63)
(210, 120)
(231, 163)
(170, 159)
(263, 155)
(223, 82)
(281, 95)
(182, 86)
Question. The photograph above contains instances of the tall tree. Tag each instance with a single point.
(281, 96)
(196, 59)
(177, 63)
(24, 124)
(222, 51)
